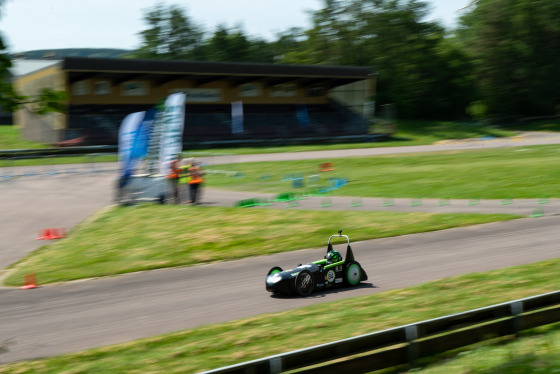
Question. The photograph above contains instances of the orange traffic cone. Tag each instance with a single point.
(45, 235)
(62, 233)
(327, 166)
(29, 282)
(51, 233)
(55, 234)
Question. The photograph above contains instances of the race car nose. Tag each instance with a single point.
(273, 279)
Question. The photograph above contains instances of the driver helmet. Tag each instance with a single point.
(333, 256)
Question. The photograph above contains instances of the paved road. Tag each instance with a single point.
(52, 320)
(33, 203)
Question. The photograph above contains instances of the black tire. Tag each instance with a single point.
(352, 274)
(304, 283)
(276, 269)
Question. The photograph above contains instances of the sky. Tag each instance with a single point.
(51, 24)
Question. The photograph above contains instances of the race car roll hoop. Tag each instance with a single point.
(332, 271)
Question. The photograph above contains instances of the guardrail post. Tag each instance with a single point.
(411, 333)
(516, 310)
(275, 365)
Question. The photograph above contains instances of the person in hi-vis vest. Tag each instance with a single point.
(177, 175)
(195, 181)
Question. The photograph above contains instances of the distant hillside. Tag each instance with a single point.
(57, 54)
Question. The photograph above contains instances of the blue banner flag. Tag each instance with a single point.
(142, 136)
(127, 135)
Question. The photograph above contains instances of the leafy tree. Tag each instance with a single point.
(516, 47)
(48, 101)
(261, 51)
(334, 37)
(223, 46)
(9, 100)
(233, 45)
(172, 34)
(290, 46)
(418, 67)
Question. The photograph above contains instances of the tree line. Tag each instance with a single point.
(500, 61)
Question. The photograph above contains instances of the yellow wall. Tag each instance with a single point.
(224, 90)
(31, 85)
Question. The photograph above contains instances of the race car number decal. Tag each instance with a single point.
(330, 276)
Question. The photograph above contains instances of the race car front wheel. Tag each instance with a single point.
(353, 274)
(304, 283)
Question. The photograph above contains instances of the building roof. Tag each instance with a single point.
(122, 70)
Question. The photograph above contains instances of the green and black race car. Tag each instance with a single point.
(332, 271)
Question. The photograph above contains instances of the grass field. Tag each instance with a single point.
(213, 346)
(411, 133)
(96, 247)
(125, 239)
(520, 172)
(529, 172)
(538, 352)
(10, 138)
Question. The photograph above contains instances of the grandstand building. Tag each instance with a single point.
(269, 102)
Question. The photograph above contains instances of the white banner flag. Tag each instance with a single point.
(172, 122)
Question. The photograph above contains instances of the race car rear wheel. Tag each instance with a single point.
(353, 274)
(304, 283)
(274, 270)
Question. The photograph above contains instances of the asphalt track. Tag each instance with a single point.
(65, 318)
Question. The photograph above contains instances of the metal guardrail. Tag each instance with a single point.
(406, 344)
(195, 144)
(42, 152)
(11, 169)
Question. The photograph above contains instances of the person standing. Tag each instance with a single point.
(195, 181)
(176, 176)
(184, 176)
